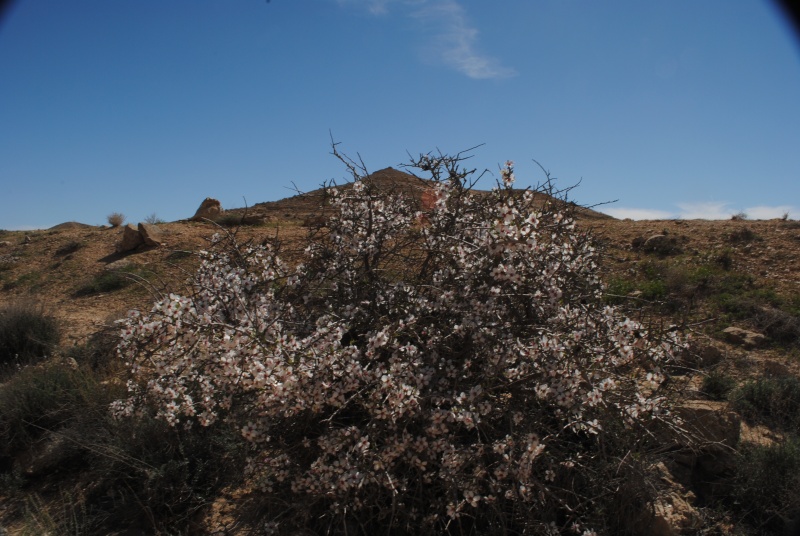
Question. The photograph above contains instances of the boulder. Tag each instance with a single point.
(5, 244)
(151, 234)
(703, 455)
(743, 337)
(131, 239)
(209, 209)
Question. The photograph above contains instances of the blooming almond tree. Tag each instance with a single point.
(446, 366)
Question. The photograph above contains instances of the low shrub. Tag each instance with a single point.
(138, 474)
(765, 491)
(70, 247)
(115, 219)
(98, 352)
(773, 400)
(742, 236)
(42, 399)
(618, 289)
(111, 281)
(27, 332)
(717, 385)
(153, 219)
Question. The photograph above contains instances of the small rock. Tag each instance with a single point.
(209, 209)
(117, 265)
(5, 244)
(743, 337)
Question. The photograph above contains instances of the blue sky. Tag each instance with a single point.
(677, 109)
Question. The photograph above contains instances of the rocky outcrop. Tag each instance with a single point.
(209, 209)
(131, 239)
(151, 234)
(673, 513)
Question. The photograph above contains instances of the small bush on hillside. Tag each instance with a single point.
(27, 333)
(38, 400)
(111, 281)
(765, 490)
(153, 219)
(717, 385)
(70, 247)
(739, 216)
(140, 473)
(774, 400)
(229, 219)
(115, 219)
(449, 368)
(742, 236)
(98, 351)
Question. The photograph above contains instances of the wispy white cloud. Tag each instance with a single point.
(639, 213)
(711, 210)
(453, 40)
(703, 211)
(456, 42)
(27, 228)
(762, 212)
(376, 7)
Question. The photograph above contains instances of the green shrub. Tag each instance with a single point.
(111, 281)
(98, 352)
(766, 486)
(229, 219)
(27, 332)
(618, 290)
(717, 385)
(742, 236)
(41, 399)
(70, 247)
(140, 473)
(774, 400)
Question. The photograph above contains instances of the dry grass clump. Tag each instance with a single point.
(27, 332)
(115, 219)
